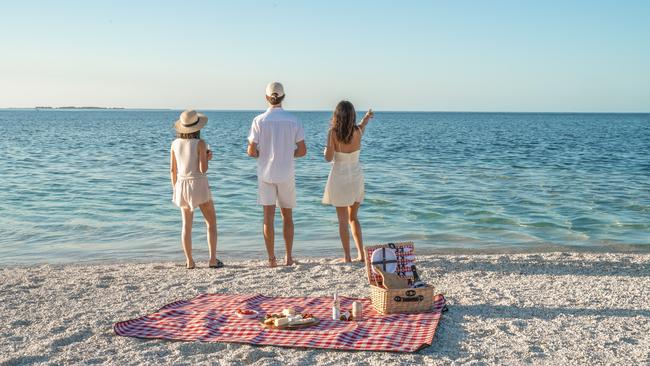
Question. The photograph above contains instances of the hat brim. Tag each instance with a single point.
(180, 128)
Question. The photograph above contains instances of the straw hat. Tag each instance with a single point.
(190, 121)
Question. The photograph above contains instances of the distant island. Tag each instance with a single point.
(74, 107)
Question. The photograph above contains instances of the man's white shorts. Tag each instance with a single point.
(282, 194)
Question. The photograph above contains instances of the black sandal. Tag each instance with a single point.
(219, 264)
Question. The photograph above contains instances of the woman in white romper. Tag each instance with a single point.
(188, 166)
(344, 188)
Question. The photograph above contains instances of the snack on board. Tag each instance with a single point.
(289, 318)
(289, 311)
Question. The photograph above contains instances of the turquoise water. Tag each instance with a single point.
(94, 184)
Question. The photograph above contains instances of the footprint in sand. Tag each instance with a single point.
(36, 279)
(20, 323)
(58, 330)
(76, 337)
(257, 354)
(26, 360)
(105, 281)
(189, 349)
(95, 361)
(535, 349)
(30, 286)
(201, 288)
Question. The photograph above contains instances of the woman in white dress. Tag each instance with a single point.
(344, 188)
(188, 166)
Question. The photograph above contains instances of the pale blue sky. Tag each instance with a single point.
(390, 55)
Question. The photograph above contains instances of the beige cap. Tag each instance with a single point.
(190, 121)
(274, 88)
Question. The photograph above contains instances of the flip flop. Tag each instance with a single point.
(219, 264)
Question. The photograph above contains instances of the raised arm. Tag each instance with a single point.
(364, 121)
(172, 168)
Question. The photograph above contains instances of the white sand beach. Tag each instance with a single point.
(551, 308)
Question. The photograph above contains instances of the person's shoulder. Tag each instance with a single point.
(290, 117)
(260, 117)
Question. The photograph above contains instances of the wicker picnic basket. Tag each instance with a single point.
(405, 300)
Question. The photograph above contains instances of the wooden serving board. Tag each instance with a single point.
(291, 327)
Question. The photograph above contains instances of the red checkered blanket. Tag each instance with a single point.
(211, 318)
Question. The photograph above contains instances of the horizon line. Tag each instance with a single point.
(117, 109)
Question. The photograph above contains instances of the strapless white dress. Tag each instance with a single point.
(345, 182)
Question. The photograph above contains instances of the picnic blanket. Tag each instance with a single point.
(211, 318)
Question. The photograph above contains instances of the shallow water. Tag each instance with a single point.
(94, 184)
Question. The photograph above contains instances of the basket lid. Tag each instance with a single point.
(392, 258)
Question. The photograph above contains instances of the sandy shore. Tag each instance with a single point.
(551, 308)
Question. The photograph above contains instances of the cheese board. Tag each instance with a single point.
(315, 321)
(289, 319)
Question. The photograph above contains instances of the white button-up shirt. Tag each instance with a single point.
(276, 133)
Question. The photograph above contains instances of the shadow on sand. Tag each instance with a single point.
(537, 265)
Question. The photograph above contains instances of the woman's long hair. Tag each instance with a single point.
(344, 121)
(191, 135)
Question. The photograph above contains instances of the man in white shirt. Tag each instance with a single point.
(276, 138)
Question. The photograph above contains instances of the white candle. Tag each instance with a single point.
(357, 311)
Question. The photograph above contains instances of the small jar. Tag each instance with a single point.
(357, 311)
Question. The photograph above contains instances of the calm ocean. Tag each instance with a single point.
(94, 184)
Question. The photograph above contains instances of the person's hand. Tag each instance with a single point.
(369, 115)
(209, 154)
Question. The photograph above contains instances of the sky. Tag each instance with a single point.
(547, 56)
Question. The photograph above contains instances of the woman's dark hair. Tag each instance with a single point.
(344, 121)
(191, 135)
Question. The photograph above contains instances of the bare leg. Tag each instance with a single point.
(186, 236)
(269, 233)
(356, 230)
(210, 216)
(342, 213)
(287, 231)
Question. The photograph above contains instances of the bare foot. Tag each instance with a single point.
(288, 261)
(273, 262)
(359, 259)
(343, 260)
(190, 265)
